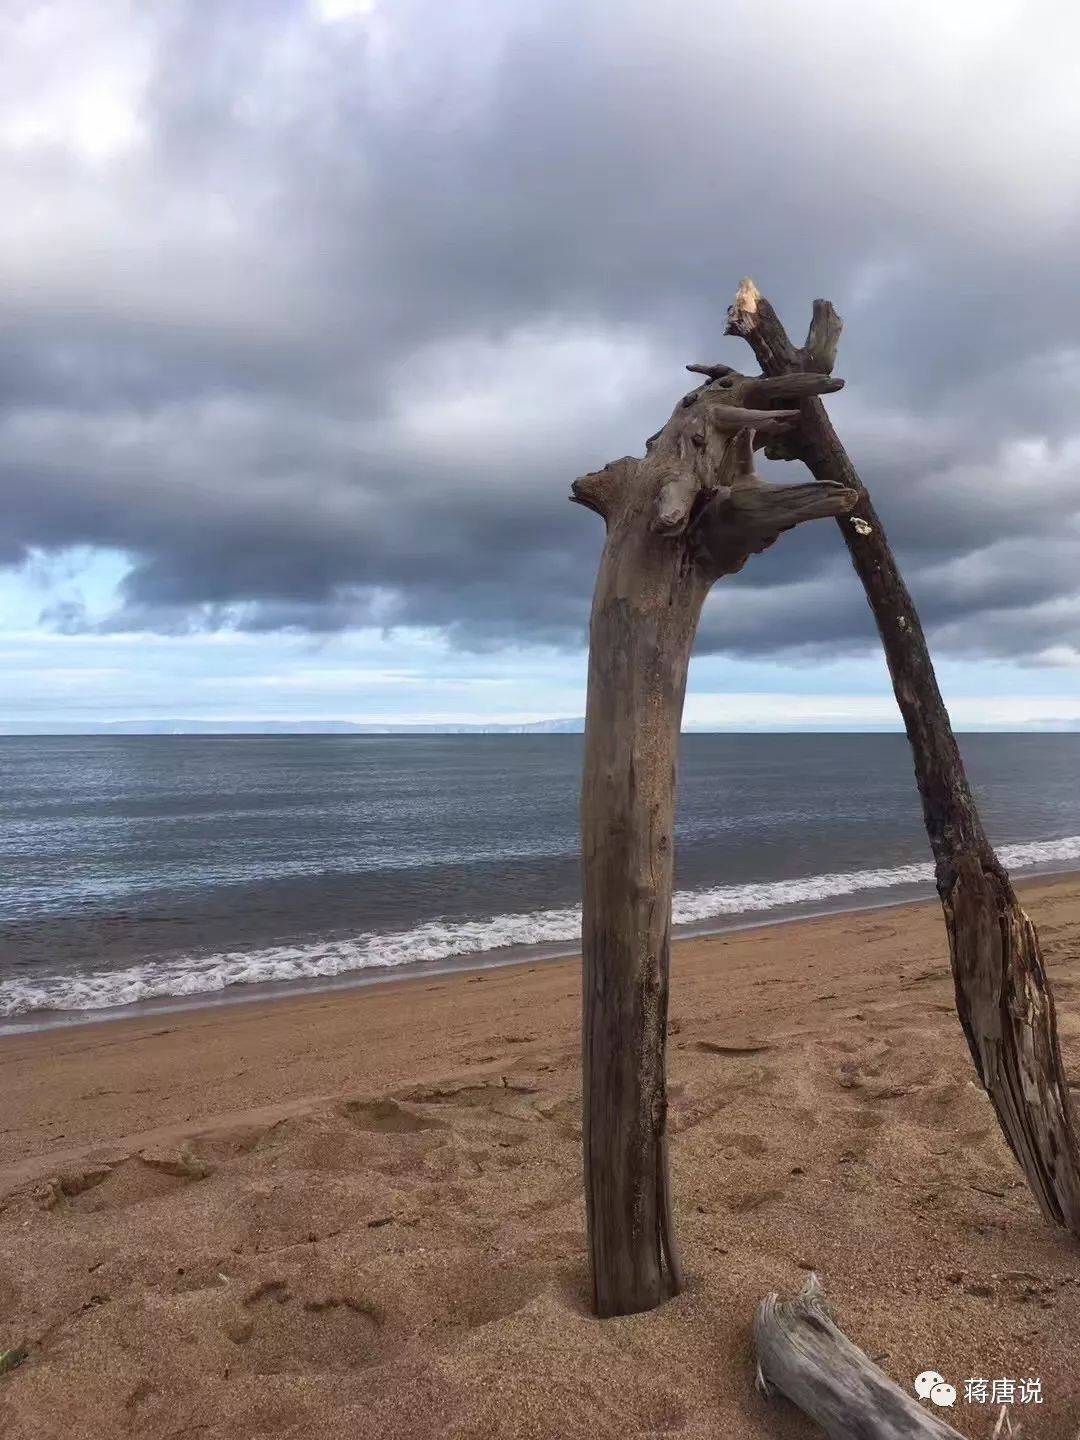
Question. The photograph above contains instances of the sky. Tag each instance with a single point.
(313, 309)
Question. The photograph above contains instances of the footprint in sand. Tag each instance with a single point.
(126, 1180)
(744, 1201)
(712, 1047)
(387, 1117)
(467, 1095)
(275, 1331)
(743, 1143)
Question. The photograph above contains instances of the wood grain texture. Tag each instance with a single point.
(804, 1355)
(1003, 996)
(689, 511)
(645, 615)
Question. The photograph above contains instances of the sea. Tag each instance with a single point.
(164, 871)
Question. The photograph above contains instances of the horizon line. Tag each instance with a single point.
(315, 729)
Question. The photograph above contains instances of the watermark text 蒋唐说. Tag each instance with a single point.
(1027, 1390)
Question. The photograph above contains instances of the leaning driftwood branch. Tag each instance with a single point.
(806, 1357)
(677, 519)
(1002, 994)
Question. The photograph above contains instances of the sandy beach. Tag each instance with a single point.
(360, 1213)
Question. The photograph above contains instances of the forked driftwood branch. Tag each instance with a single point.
(687, 513)
(1002, 993)
(804, 1355)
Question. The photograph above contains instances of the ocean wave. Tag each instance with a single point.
(444, 940)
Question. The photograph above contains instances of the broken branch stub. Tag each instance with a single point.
(689, 511)
(1003, 996)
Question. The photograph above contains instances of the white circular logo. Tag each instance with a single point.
(925, 1382)
(943, 1394)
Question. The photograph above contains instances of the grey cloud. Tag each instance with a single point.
(220, 343)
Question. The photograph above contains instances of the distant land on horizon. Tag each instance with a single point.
(571, 726)
(278, 727)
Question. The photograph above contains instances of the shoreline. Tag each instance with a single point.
(361, 1212)
(334, 1005)
(509, 957)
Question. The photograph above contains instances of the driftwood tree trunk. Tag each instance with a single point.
(1003, 996)
(802, 1353)
(690, 511)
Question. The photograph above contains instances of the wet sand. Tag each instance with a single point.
(360, 1213)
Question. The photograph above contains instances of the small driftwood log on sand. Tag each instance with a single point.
(1003, 996)
(804, 1355)
(689, 512)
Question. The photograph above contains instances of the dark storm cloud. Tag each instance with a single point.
(315, 319)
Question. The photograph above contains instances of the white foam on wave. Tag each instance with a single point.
(444, 940)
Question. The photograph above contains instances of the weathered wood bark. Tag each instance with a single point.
(1003, 996)
(691, 510)
(805, 1356)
